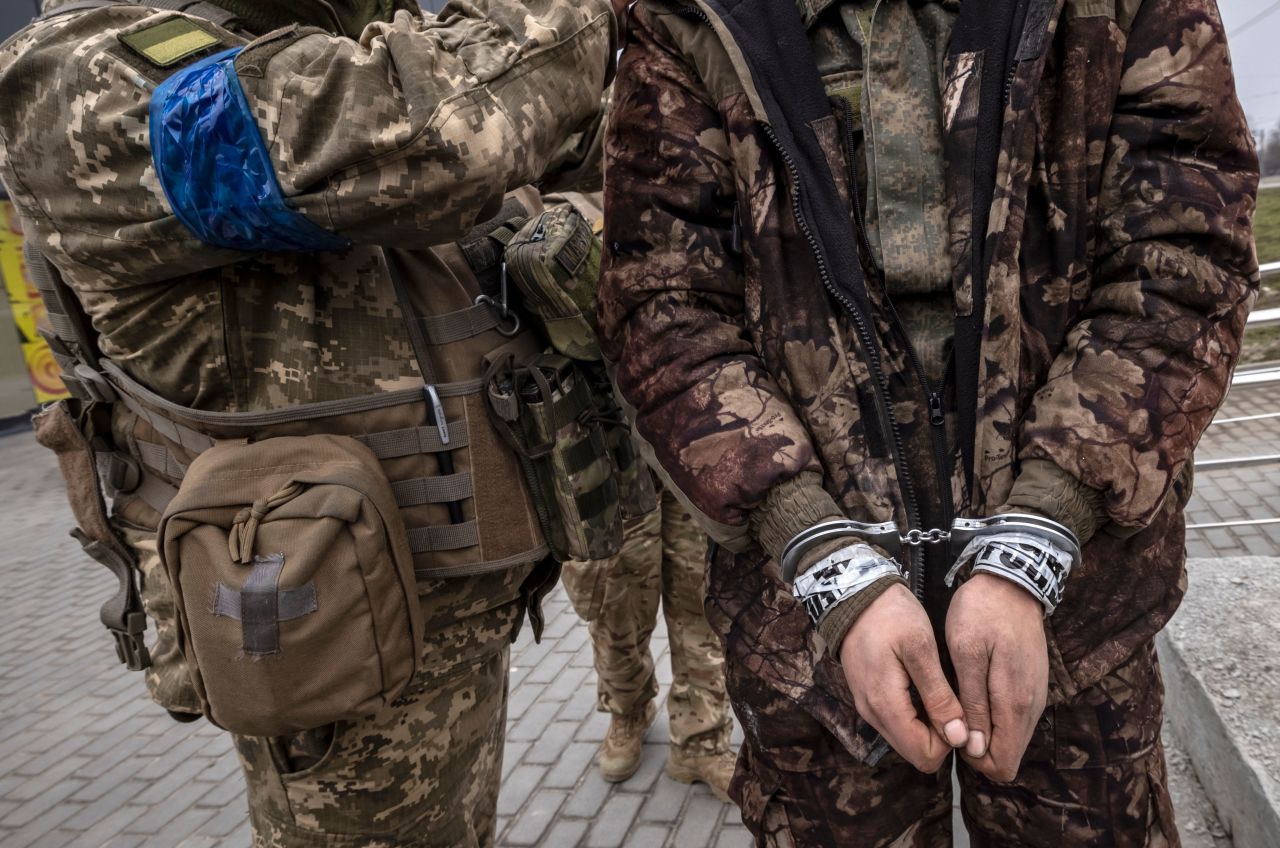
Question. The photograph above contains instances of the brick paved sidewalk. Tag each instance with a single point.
(87, 760)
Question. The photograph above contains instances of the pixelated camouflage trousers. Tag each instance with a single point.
(662, 562)
(424, 772)
(1094, 776)
(168, 682)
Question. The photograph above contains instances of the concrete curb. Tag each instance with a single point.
(1222, 679)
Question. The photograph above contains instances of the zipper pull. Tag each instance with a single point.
(736, 237)
(936, 417)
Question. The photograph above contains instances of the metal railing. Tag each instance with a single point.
(1264, 375)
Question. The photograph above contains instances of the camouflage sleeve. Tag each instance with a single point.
(671, 297)
(579, 164)
(1150, 360)
(424, 124)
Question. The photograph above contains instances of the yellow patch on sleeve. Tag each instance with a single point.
(170, 41)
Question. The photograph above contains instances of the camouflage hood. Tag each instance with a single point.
(1101, 282)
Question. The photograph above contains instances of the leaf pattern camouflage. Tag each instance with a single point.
(1122, 271)
(1094, 775)
(406, 138)
(662, 561)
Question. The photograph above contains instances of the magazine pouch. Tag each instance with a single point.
(546, 412)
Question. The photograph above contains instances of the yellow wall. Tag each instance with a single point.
(28, 316)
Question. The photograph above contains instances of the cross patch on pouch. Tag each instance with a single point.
(261, 605)
(169, 42)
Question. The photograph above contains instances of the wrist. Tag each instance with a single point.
(841, 577)
(1013, 595)
(1031, 551)
(842, 618)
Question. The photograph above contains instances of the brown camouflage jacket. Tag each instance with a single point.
(405, 138)
(1101, 185)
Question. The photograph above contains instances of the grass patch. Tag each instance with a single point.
(1262, 344)
(1266, 226)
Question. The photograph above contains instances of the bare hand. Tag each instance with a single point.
(995, 631)
(889, 649)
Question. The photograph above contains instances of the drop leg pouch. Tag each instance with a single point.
(294, 583)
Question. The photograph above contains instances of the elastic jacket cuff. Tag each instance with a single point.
(1044, 488)
(788, 509)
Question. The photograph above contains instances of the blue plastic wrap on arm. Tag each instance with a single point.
(214, 167)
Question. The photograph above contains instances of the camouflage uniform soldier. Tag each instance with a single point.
(663, 560)
(874, 265)
(373, 133)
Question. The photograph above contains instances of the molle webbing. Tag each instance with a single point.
(462, 324)
(194, 431)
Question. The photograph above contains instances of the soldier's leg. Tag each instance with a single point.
(424, 772)
(168, 680)
(1094, 774)
(620, 634)
(698, 704)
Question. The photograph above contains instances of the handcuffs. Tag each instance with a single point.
(1035, 552)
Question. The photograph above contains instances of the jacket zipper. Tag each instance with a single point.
(694, 12)
(932, 395)
(880, 382)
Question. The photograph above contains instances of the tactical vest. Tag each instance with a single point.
(460, 489)
(465, 491)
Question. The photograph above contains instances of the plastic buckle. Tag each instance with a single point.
(130, 648)
(96, 385)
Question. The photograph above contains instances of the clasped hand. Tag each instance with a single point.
(995, 633)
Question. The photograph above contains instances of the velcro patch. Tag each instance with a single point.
(170, 41)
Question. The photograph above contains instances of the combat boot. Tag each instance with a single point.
(621, 748)
(714, 769)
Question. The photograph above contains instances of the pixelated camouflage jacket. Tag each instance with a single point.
(403, 139)
(1101, 184)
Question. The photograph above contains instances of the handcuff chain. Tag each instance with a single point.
(933, 536)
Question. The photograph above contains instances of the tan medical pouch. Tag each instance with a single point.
(294, 583)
